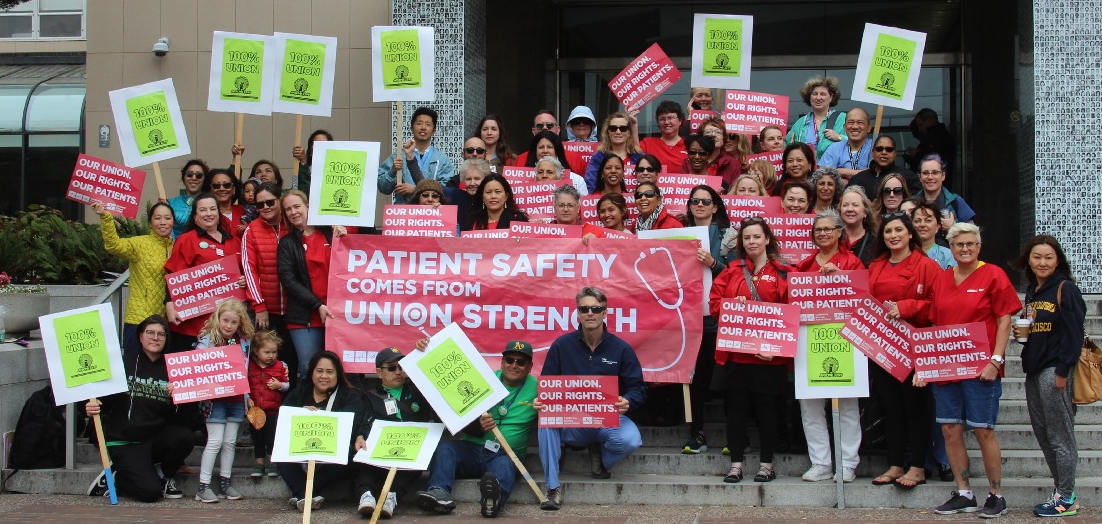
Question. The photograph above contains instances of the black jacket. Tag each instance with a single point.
(348, 400)
(412, 405)
(139, 413)
(508, 216)
(301, 301)
(870, 179)
(1056, 338)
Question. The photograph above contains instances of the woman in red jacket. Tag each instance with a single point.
(752, 381)
(259, 244)
(652, 214)
(206, 240)
(900, 276)
(827, 234)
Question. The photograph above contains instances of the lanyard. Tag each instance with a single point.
(504, 408)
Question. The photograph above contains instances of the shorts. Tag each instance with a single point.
(222, 411)
(972, 402)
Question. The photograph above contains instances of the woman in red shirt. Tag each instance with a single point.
(752, 381)
(226, 190)
(900, 276)
(826, 234)
(207, 239)
(652, 214)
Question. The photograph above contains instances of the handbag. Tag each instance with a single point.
(1086, 379)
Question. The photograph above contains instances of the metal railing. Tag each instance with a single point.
(112, 292)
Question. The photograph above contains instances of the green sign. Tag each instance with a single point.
(399, 443)
(303, 68)
(401, 57)
(829, 356)
(455, 377)
(151, 122)
(722, 46)
(313, 435)
(890, 66)
(242, 70)
(342, 182)
(83, 348)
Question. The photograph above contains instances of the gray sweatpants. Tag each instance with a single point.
(1052, 414)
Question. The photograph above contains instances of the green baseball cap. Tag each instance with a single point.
(518, 346)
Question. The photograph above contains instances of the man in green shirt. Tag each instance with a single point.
(476, 452)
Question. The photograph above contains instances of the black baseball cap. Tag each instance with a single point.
(388, 355)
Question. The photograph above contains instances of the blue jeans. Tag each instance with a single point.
(461, 459)
(616, 443)
(307, 341)
(222, 411)
(973, 402)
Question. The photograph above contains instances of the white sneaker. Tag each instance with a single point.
(389, 505)
(367, 504)
(848, 474)
(818, 473)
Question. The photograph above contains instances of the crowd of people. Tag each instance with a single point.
(917, 240)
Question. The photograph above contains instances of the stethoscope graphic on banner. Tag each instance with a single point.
(676, 306)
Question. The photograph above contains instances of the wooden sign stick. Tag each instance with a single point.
(309, 499)
(104, 459)
(688, 403)
(238, 137)
(298, 142)
(161, 195)
(520, 466)
(840, 492)
(382, 495)
(879, 117)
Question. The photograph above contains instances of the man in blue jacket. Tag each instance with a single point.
(592, 350)
(403, 169)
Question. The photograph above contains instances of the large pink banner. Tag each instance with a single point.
(392, 291)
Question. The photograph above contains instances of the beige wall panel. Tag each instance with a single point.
(178, 23)
(142, 19)
(331, 18)
(367, 13)
(104, 26)
(254, 16)
(103, 69)
(214, 15)
(292, 16)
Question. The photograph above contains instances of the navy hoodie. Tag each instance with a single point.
(1056, 338)
(569, 355)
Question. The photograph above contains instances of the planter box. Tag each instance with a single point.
(21, 310)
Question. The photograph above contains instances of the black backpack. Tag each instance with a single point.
(39, 440)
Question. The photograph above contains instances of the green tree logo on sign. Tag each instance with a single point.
(314, 444)
(722, 61)
(86, 362)
(156, 138)
(887, 80)
(830, 367)
(340, 198)
(302, 87)
(241, 85)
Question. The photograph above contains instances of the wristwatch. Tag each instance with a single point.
(998, 360)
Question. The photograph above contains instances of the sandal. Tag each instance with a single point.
(765, 474)
(734, 476)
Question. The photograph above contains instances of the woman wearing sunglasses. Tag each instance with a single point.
(617, 139)
(881, 164)
(647, 169)
(752, 382)
(901, 276)
(827, 185)
(652, 214)
(227, 191)
(699, 150)
(428, 192)
(890, 195)
(193, 175)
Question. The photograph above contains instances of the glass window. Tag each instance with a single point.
(56, 108)
(45, 19)
(15, 26)
(12, 101)
(56, 26)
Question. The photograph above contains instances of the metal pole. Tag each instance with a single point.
(838, 469)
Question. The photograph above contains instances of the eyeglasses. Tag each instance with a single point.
(515, 361)
(964, 245)
(646, 169)
(154, 334)
(391, 369)
(591, 309)
(884, 149)
(650, 193)
(700, 201)
(930, 173)
(619, 129)
(892, 191)
(825, 230)
(546, 126)
(894, 215)
(222, 185)
(474, 150)
(430, 194)
(566, 205)
(193, 174)
(698, 153)
(271, 202)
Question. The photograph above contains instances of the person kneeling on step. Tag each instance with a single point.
(476, 453)
(592, 350)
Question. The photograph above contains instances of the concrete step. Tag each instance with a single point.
(631, 488)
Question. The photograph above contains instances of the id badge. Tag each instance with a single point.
(492, 446)
(391, 406)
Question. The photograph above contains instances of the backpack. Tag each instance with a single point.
(39, 440)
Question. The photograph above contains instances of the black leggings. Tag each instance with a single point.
(760, 388)
(699, 390)
(264, 437)
(133, 463)
(907, 413)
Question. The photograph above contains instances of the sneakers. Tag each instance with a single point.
(258, 471)
(596, 464)
(1058, 506)
(554, 500)
(490, 489)
(389, 505)
(367, 504)
(435, 499)
(272, 470)
(818, 473)
(848, 475)
(957, 504)
(315, 503)
(170, 491)
(994, 506)
(205, 494)
(695, 445)
(226, 487)
(98, 487)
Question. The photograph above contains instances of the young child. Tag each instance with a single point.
(248, 197)
(268, 381)
(228, 325)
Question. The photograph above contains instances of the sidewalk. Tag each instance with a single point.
(75, 508)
